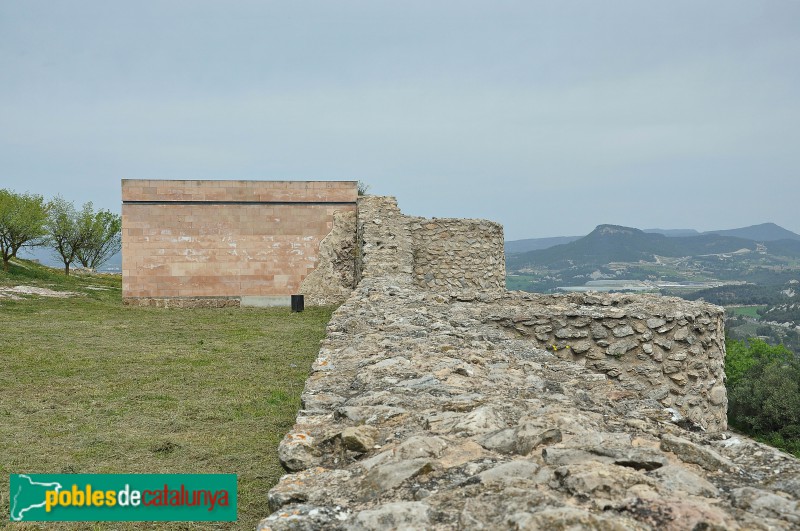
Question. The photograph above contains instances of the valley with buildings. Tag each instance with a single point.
(752, 271)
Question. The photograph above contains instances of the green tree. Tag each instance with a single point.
(64, 231)
(763, 384)
(737, 361)
(101, 236)
(764, 330)
(22, 222)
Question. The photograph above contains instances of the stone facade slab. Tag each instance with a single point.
(229, 239)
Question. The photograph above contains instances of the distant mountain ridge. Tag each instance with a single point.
(764, 232)
(615, 243)
(534, 244)
(674, 232)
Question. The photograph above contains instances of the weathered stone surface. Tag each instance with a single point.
(718, 395)
(520, 440)
(595, 479)
(666, 344)
(623, 331)
(333, 280)
(621, 347)
(530, 435)
(767, 504)
(388, 476)
(510, 471)
(681, 334)
(567, 518)
(302, 487)
(457, 255)
(481, 420)
(678, 515)
(502, 441)
(679, 479)
(304, 517)
(690, 452)
(478, 426)
(369, 413)
(359, 438)
(296, 451)
(405, 516)
(598, 331)
(627, 456)
(420, 446)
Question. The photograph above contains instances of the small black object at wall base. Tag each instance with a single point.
(298, 303)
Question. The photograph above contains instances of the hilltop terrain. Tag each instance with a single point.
(92, 386)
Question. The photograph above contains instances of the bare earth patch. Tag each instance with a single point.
(13, 293)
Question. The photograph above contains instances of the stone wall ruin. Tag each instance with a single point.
(441, 254)
(665, 349)
(430, 407)
(660, 348)
(457, 254)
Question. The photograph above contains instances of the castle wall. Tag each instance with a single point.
(334, 278)
(385, 247)
(664, 349)
(447, 255)
(458, 254)
(485, 409)
(197, 242)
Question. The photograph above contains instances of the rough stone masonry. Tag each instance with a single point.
(440, 401)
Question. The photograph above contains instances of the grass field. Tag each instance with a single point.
(91, 386)
(746, 311)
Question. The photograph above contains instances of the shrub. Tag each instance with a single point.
(764, 392)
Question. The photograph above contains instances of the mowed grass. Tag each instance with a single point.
(90, 386)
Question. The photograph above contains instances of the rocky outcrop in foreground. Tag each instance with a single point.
(434, 411)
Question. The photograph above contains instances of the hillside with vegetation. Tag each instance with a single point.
(614, 243)
(617, 258)
(723, 269)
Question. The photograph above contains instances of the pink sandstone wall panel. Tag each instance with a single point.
(196, 239)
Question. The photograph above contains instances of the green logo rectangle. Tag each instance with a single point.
(122, 497)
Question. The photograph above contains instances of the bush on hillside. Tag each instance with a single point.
(764, 392)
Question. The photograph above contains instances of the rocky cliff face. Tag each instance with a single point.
(428, 409)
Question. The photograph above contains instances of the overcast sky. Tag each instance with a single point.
(549, 117)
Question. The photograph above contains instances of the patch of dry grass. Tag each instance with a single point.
(90, 386)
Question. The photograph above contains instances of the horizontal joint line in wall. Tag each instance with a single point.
(326, 203)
